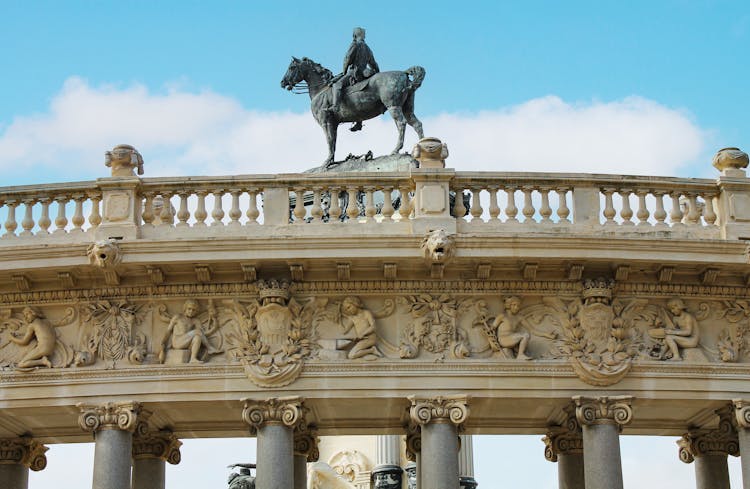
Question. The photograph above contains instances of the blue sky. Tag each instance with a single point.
(650, 87)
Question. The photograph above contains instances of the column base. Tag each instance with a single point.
(467, 482)
(386, 477)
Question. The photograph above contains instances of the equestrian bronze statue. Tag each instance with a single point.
(361, 92)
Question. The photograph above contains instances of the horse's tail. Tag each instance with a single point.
(417, 74)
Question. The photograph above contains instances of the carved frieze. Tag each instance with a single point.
(109, 333)
(109, 416)
(30, 340)
(432, 327)
(23, 451)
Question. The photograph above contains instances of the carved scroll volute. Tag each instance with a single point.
(413, 441)
(566, 438)
(720, 441)
(441, 409)
(109, 416)
(24, 451)
(162, 444)
(741, 413)
(604, 410)
(306, 441)
(287, 411)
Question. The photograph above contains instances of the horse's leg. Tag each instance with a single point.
(411, 119)
(331, 129)
(400, 120)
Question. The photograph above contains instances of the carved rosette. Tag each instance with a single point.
(720, 441)
(161, 444)
(306, 441)
(109, 416)
(566, 438)
(604, 410)
(441, 409)
(286, 411)
(741, 413)
(23, 451)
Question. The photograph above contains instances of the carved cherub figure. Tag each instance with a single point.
(186, 332)
(680, 331)
(361, 320)
(506, 325)
(39, 329)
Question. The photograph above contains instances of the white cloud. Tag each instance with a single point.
(184, 133)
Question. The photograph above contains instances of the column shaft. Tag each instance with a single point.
(149, 473)
(14, 476)
(389, 450)
(112, 459)
(439, 456)
(711, 472)
(300, 471)
(275, 457)
(744, 438)
(570, 473)
(602, 465)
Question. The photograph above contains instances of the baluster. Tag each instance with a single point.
(334, 210)
(405, 208)
(44, 221)
(235, 213)
(494, 208)
(61, 221)
(148, 209)
(166, 209)
(78, 219)
(183, 214)
(387, 210)
(545, 210)
(609, 207)
(660, 214)
(200, 211)
(352, 210)
(626, 213)
(562, 209)
(218, 212)
(316, 211)
(511, 210)
(459, 209)
(528, 207)
(709, 215)
(95, 217)
(642, 213)
(28, 219)
(675, 215)
(693, 215)
(299, 206)
(370, 209)
(476, 206)
(10, 221)
(252, 210)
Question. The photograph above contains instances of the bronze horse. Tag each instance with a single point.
(389, 90)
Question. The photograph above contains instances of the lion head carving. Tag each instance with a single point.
(104, 254)
(438, 246)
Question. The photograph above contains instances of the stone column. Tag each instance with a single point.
(466, 463)
(305, 450)
(439, 419)
(564, 445)
(709, 449)
(742, 425)
(273, 421)
(387, 472)
(112, 424)
(151, 449)
(17, 456)
(413, 455)
(601, 419)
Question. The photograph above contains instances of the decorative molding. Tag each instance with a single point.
(297, 271)
(529, 271)
(665, 274)
(575, 271)
(720, 441)
(109, 416)
(66, 279)
(483, 271)
(709, 276)
(390, 271)
(563, 439)
(344, 271)
(603, 410)
(442, 409)
(156, 275)
(162, 444)
(24, 451)
(286, 411)
(622, 272)
(23, 284)
(249, 272)
(203, 274)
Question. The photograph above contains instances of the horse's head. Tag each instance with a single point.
(294, 74)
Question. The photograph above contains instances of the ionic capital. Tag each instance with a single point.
(413, 441)
(563, 439)
(306, 441)
(720, 441)
(24, 451)
(162, 444)
(441, 409)
(286, 411)
(741, 413)
(109, 416)
(614, 410)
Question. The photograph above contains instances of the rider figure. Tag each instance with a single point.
(359, 64)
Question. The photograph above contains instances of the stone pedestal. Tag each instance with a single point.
(17, 456)
(564, 445)
(273, 421)
(601, 419)
(112, 424)
(439, 419)
(742, 425)
(709, 449)
(151, 450)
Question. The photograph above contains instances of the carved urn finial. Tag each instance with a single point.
(123, 159)
(430, 153)
(731, 162)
